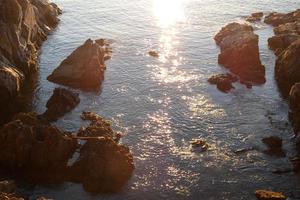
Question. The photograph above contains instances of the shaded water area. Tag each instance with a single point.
(161, 104)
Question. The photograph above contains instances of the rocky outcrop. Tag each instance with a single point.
(24, 25)
(61, 102)
(223, 82)
(279, 43)
(287, 69)
(269, 195)
(40, 152)
(276, 19)
(294, 103)
(85, 67)
(240, 52)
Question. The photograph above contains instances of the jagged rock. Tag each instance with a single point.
(279, 43)
(103, 165)
(276, 19)
(34, 149)
(223, 81)
(269, 195)
(84, 68)
(274, 144)
(61, 102)
(240, 52)
(255, 17)
(98, 127)
(24, 25)
(287, 69)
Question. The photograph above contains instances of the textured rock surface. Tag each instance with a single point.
(223, 81)
(24, 25)
(269, 195)
(276, 19)
(279, 43)
(84, 68)
(294, 103)
(287, 69)
(240, 52)
(61, 102)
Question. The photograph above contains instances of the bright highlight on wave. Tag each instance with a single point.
(168, 12)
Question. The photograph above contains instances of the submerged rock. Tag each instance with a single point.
(223, 81)
(84, 68)
(240, 52)
(154, 54)
(61, 102)
(199, 145)
(274, 144)
(255, 17)
(287, 68)
(269, 195)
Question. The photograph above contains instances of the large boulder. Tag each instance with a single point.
(84, 68)
(276, 19)
(61, 102)
(287, 69)
(240, 52)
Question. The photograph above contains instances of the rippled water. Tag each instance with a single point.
(162, 104)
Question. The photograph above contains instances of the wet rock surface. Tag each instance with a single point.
(223, 81)
(104, 165)
(276, 19)
(287, 68)
(61, 102)
(279, 43)
(153, 54)
(274, 145)
(240, 52)
(85, 67)
(24, 25)
(269, 195)
(255, 17)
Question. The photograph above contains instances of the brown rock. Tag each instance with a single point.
(279, 43)
(287, 69)
(257, 14)
(223, 81)
(84, 68)
(240, 52)
(154, 54)
(276, 19)
(7, 186)
(269, 195)
(61, 102)
(274, 144)
(288, 28)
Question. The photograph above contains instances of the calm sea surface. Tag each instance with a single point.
(160, 105)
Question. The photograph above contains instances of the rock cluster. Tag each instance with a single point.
(24, 25)
(255, 17)
(85, 67)
(240, 52)
(223, 81)
(40, 152)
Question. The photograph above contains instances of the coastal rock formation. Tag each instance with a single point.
(287, 69)
(240, 52)
(61, 102)
(276, 19)
(24, 25)
(255, 17)
(294, 103)
(269, 195)
(104, 165)
(223, 81)
(84, 68)
(279, 43)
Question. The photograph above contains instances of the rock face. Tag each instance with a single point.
(61, 102)
(223, 81)
(269, 195)
(84, 68)
(274, 144)
(287, 69)
(24, 25)
(40, 152)
(294, 102)
(240, 52)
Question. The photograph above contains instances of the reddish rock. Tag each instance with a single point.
(223, 81)
(269, 195)
(84, 68)
(240, 52)
(279, 43)
(276, 19)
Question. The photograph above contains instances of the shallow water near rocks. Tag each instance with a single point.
(161, 104)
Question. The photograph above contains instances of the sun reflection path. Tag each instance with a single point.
(168, 12)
